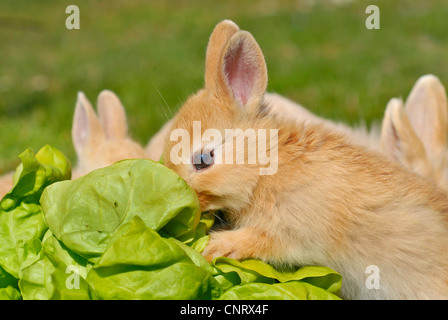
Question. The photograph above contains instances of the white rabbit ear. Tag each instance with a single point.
(426, 107)
(400, 142)
(218, 40)
(243, 70)
(87, 131)
(112, 115)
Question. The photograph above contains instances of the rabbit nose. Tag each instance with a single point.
(203, 160)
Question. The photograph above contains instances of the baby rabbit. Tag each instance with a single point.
(101, 140)
(416, 135)
(330, 202)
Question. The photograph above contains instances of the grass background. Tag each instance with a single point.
(151, 53)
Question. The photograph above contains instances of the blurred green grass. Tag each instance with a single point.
(151, 53)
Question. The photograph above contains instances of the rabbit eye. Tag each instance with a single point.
(203, 160)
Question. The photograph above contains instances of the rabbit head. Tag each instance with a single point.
(101, 140)
(235, 83)
(415, 134)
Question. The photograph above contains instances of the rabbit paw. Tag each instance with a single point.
(224, 244)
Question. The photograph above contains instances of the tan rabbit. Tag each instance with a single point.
(416, 134)
(330, 202)
(101, 140)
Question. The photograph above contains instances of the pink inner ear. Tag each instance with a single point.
(241, 73)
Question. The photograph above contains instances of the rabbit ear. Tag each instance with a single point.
(399, 141)
(218, 40)
(112, 115)
(243, 75)
(390, 138)
(426, 107)
(87, 131)
(154, 148)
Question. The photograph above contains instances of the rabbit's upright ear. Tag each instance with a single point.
(112, 115)
(243, 73)
(218, 40)
(400, 142)
(426, 108)
(87, 131)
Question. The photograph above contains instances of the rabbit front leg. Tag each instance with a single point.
(239, 244)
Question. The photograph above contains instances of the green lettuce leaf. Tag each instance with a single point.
(256, 279)
(140, 264)
(56, 273)
(85, 213)
(35, 172)
(9, 289)
(22, 223)
(293, 290)
(249, 269)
